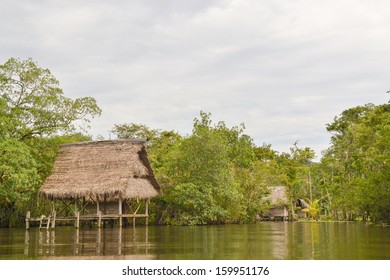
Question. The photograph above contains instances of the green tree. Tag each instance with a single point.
(35, 117)
(358, 160)
(219, 165)
(33, 104)
(201, 162)
(133, 130)
(314, 209)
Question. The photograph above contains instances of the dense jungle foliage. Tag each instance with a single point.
(35, 117)
(217, 174)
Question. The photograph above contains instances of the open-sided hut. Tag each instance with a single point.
(279, 202)
(102, 180)
(301, 204)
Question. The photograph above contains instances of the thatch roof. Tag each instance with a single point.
(303, 203)
(102, 169)
(278, 196)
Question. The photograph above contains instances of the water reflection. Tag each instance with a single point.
(271, 240)
(69, 243)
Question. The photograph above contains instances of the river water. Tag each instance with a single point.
(268, 240)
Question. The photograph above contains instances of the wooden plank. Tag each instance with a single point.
(65, 218)
(133, 216)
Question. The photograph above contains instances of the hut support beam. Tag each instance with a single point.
(120, 211)
(99, 213)
(147, 201)
(99, 223)
(77, 215)
(77, 220)
(53, 221)
(28, 216)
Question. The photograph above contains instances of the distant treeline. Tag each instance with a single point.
(215, 175)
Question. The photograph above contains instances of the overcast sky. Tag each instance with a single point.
(283, 68)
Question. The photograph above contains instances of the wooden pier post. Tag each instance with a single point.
(120, 212)
(99, 222)
(147, 211)
(77, 221)
(53, 221)
(28, 215)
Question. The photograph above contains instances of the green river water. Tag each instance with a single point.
(268, 241)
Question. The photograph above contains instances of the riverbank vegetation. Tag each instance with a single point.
(35, 118)
(217, 174)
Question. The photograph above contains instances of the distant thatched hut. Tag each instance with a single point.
(101, 177)
(301, 204)
(279, 202)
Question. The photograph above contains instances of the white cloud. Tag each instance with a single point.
(284, 68)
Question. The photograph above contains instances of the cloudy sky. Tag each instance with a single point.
(283, 68)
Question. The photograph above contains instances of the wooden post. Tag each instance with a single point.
(120, 211)
(77, 222)
(98, 241)
(99, 223)
(28, 220)
(76, 242)
(53, 222)
(120, 242)
(99, 213)
(48, 223)
(77, 215)
(147, 210)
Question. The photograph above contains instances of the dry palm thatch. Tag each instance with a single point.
(108, 170)
(278, 196)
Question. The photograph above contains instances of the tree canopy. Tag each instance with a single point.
(217, 174)
(35, 117)
(33, 104)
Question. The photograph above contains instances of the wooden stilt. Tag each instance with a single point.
(98, 241)
(53, 221)
(120, 242)
(77, 215)
(77, 242)
(28, 215)
(147, 211)
(120, 212)
(48, 223)
(77, 222)
(99, 223)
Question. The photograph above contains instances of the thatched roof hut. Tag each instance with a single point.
(109, 170)
(279, 200)
(278, 196)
